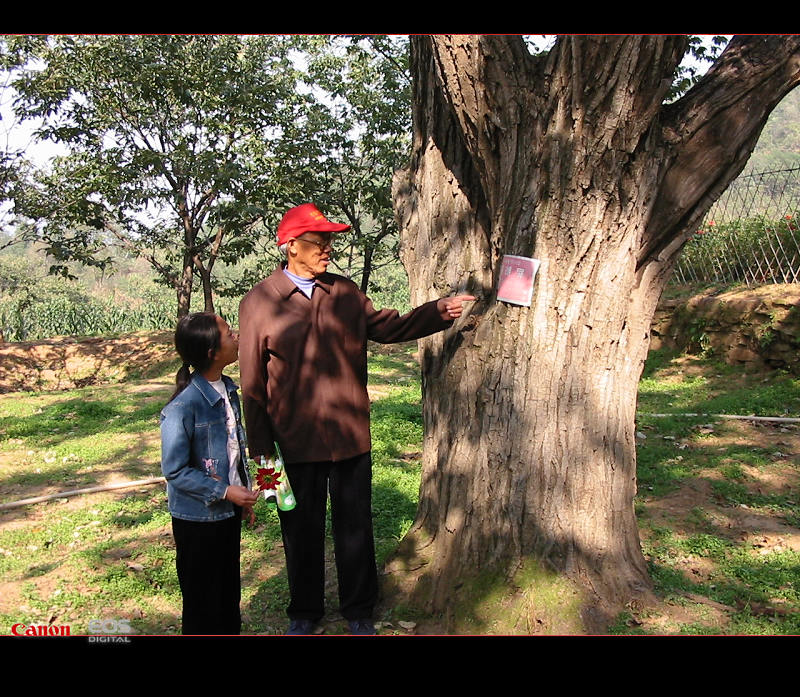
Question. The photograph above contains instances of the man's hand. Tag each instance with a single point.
(452, 307)
(241, 496)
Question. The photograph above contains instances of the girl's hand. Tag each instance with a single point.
(241, 496)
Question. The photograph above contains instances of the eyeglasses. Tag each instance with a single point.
(323, 246)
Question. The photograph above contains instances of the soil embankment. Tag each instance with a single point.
(754, 327)
(64, 363)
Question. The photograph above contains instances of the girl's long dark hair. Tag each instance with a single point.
(196, 335)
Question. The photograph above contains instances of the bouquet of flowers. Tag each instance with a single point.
(273, 481)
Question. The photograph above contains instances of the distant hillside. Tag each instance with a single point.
(779, 144)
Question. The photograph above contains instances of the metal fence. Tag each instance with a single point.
(750, 235)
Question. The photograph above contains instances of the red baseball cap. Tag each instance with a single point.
(305, 218)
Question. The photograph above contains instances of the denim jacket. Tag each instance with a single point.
(194, 451)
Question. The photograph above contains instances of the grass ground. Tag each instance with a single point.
(72, 560)
(718, 504)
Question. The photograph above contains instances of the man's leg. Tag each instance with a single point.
(303, 530)
(351, 512)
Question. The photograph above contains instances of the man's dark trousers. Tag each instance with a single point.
(303, 528)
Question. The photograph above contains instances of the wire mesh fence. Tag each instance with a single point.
(750, 235)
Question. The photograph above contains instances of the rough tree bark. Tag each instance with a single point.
(572, 158)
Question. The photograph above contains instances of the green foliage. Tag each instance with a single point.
(169, 144)
(396, 427)
(388, 287)
(663, 389)
(702, 51)
(695, 559)
(59, 316)
(743, 249)
(35, 305)
(355, 135)
(705, 545)
(185, 150)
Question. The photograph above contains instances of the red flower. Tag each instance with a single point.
(267, 478)
(710, 223)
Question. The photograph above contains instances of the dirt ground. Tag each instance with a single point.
(64, 363)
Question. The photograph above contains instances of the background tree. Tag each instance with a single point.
(571, 157)
(14, 169)
(12, 178)
(169, 145)
(354, 135)
(186, 150)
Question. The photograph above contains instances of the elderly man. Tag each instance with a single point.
(303, 357)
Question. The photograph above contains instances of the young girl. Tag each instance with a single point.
(208, 488)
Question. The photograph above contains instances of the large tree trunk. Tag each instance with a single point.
(572, 159)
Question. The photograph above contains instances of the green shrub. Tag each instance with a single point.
(757, 249)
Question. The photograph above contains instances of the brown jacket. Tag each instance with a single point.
(304, 364)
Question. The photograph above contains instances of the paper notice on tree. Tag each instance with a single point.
(516, 279)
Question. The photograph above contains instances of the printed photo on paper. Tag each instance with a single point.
(516, 279)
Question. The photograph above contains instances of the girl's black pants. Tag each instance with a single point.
(208, 572)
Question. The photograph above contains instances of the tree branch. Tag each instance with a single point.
(126, 243)
(713, 129)
(488, 123)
